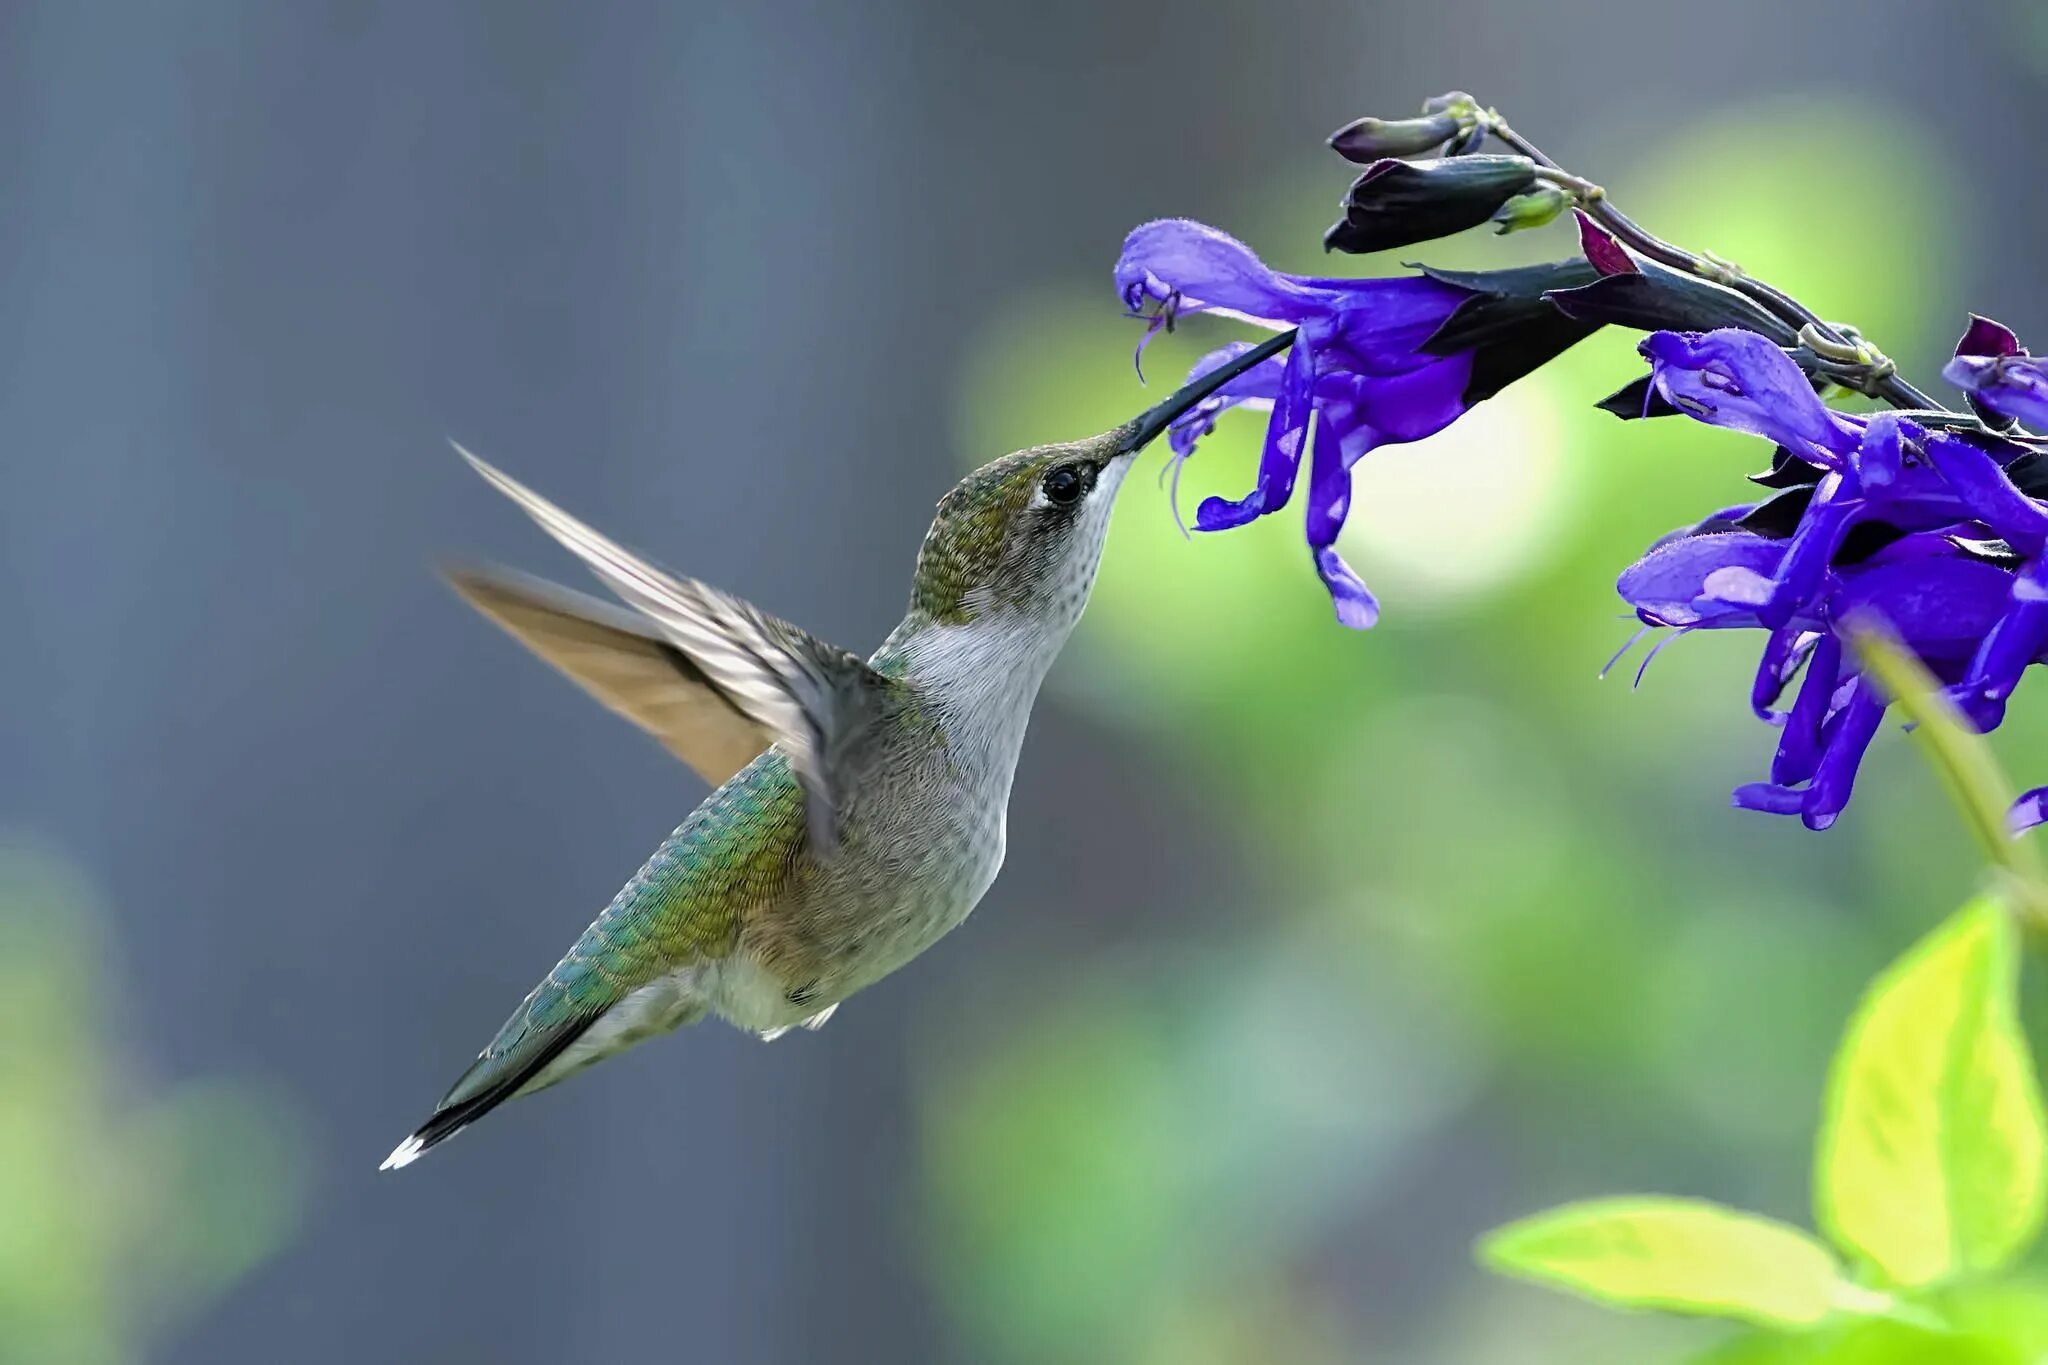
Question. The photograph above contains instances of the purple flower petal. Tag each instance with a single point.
(1880, 453)
(1769, 798)
(1927, 499)
(1329, 483)
(1210, 271)
(2019, 638)
(1258, 385)
(1381, 325)
(1942, 608)
(1984, 714)
(1667, 586)
(1988, 492)
(1410, 406)
(2013, 386)
(1783, 654)
(2028, 811)
(1799, 744)
(1339, 444)
(1736, 586)
(1847, 737)
(1281, 456)
(1740, 380)
(1356, 606)
(1821, 531)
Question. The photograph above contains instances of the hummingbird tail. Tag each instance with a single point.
(485, 1086)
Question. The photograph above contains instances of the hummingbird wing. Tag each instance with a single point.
(815, 700)
(618, 657)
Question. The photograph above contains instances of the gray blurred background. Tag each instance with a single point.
(748, 286)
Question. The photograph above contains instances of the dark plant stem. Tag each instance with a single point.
(1885, 384)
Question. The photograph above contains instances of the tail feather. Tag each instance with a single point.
(495, 1078)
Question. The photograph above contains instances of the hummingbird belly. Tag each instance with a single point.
(858, 919)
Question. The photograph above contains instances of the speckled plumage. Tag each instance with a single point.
(737, 913)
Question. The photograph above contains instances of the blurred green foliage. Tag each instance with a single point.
(1931, 1167)
(1928, 1178)
(1495, 941)
(123, 1207)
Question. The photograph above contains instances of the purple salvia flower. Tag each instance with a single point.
(1367, 366)
(1928, 530)
(1940, 603)
(1737, 379)
(1983, 487)
(1999, 376)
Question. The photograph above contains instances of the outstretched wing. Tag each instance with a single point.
(618, 657)
(815, 700)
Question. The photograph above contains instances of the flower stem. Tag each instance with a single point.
(1885, 381)
(1982, 793)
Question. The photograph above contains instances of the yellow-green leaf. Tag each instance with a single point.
(1680, 1255)
(1931, 1149)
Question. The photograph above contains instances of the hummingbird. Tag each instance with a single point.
(859, 808)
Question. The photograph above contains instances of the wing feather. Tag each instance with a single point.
(815, 700)
(618, 657)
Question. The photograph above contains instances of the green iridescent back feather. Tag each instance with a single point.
(684, 905)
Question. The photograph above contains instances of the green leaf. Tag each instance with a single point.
(1930, 1159)
(1681, 1255)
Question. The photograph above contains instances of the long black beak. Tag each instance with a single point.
(1140, 431)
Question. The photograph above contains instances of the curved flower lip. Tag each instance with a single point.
(1191, 267)
(1700, 581)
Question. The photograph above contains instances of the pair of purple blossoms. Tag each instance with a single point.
(1936, 533)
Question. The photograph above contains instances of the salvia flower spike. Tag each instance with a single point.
(1933, 521)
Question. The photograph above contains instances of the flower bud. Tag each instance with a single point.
(1396, 203)
(1366, 140)
(1450, 99)
(1539, 206)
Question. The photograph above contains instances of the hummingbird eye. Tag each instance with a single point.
(1064, 486)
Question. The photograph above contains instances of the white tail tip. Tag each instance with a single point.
(403, 1155)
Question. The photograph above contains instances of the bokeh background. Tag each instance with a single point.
(1318, 953)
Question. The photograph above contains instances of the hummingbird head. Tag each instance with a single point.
(1024, 534)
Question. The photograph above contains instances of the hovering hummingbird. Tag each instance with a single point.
(860, 807)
